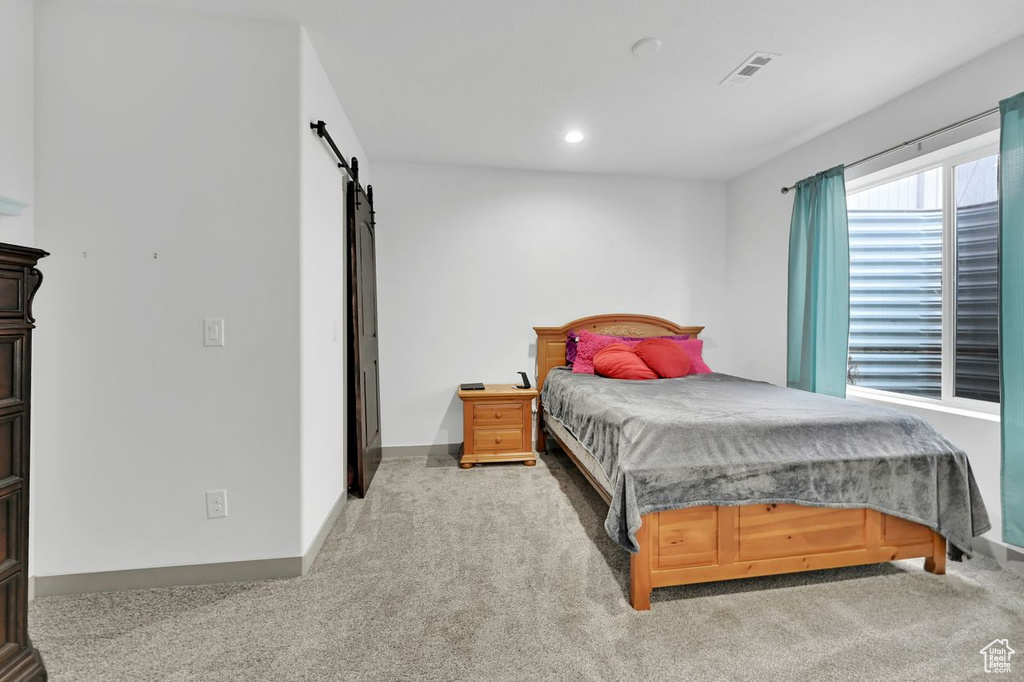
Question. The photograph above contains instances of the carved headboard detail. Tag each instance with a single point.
(622, 330)
(551, 340)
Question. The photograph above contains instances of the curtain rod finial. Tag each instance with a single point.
(785, 190)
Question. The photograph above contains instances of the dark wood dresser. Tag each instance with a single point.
(19, 280)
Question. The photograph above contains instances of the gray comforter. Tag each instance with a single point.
(718, 439)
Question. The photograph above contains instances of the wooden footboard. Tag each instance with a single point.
(702, 544)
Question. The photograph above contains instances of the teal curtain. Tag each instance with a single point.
(1011, 313)
(819, 285)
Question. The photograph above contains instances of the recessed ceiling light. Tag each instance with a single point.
(574, 136)
(645, 47)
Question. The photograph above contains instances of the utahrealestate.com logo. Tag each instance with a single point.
(997, 656)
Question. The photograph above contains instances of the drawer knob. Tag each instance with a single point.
(497, 415)
(497, 439)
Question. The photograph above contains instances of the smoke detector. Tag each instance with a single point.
(750, 67)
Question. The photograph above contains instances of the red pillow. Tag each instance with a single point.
(665, 357)
(619, 361)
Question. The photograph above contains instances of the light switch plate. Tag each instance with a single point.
(213, 332)
(216, 504)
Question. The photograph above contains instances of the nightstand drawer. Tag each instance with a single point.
(486, 414)
(498, 440)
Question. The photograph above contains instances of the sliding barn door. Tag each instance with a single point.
(364, 376)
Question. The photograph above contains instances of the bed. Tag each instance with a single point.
(729, 490)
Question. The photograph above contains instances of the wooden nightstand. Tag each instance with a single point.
(497, 425)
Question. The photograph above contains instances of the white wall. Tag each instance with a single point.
(173, 134)
(470, 260)
(759, 227)
(323, 291)
(16, 118)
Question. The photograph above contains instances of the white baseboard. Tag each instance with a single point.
(166, 576)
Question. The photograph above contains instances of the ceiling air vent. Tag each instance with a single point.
(749, 68)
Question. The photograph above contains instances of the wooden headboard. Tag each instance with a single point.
(551, 340)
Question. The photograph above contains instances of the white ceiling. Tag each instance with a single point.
(500, 82)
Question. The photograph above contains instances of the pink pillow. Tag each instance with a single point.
(589, 345)
(694, 348)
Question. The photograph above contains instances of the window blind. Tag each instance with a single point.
(977, 302)
(896, 301)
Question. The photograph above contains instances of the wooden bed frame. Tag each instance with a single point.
(703, 544)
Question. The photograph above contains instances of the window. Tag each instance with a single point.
(924, 278)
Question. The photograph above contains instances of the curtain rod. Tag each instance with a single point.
(916, 140)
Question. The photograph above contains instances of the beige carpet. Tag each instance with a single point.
(505, 573)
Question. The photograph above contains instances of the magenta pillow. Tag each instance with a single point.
(572, 347)
(589, 345)
(694, 348)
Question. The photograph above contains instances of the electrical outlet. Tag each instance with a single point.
(216, 504)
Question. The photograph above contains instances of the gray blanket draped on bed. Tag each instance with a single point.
(715, 439)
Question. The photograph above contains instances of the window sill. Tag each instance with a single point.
(885, 397)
